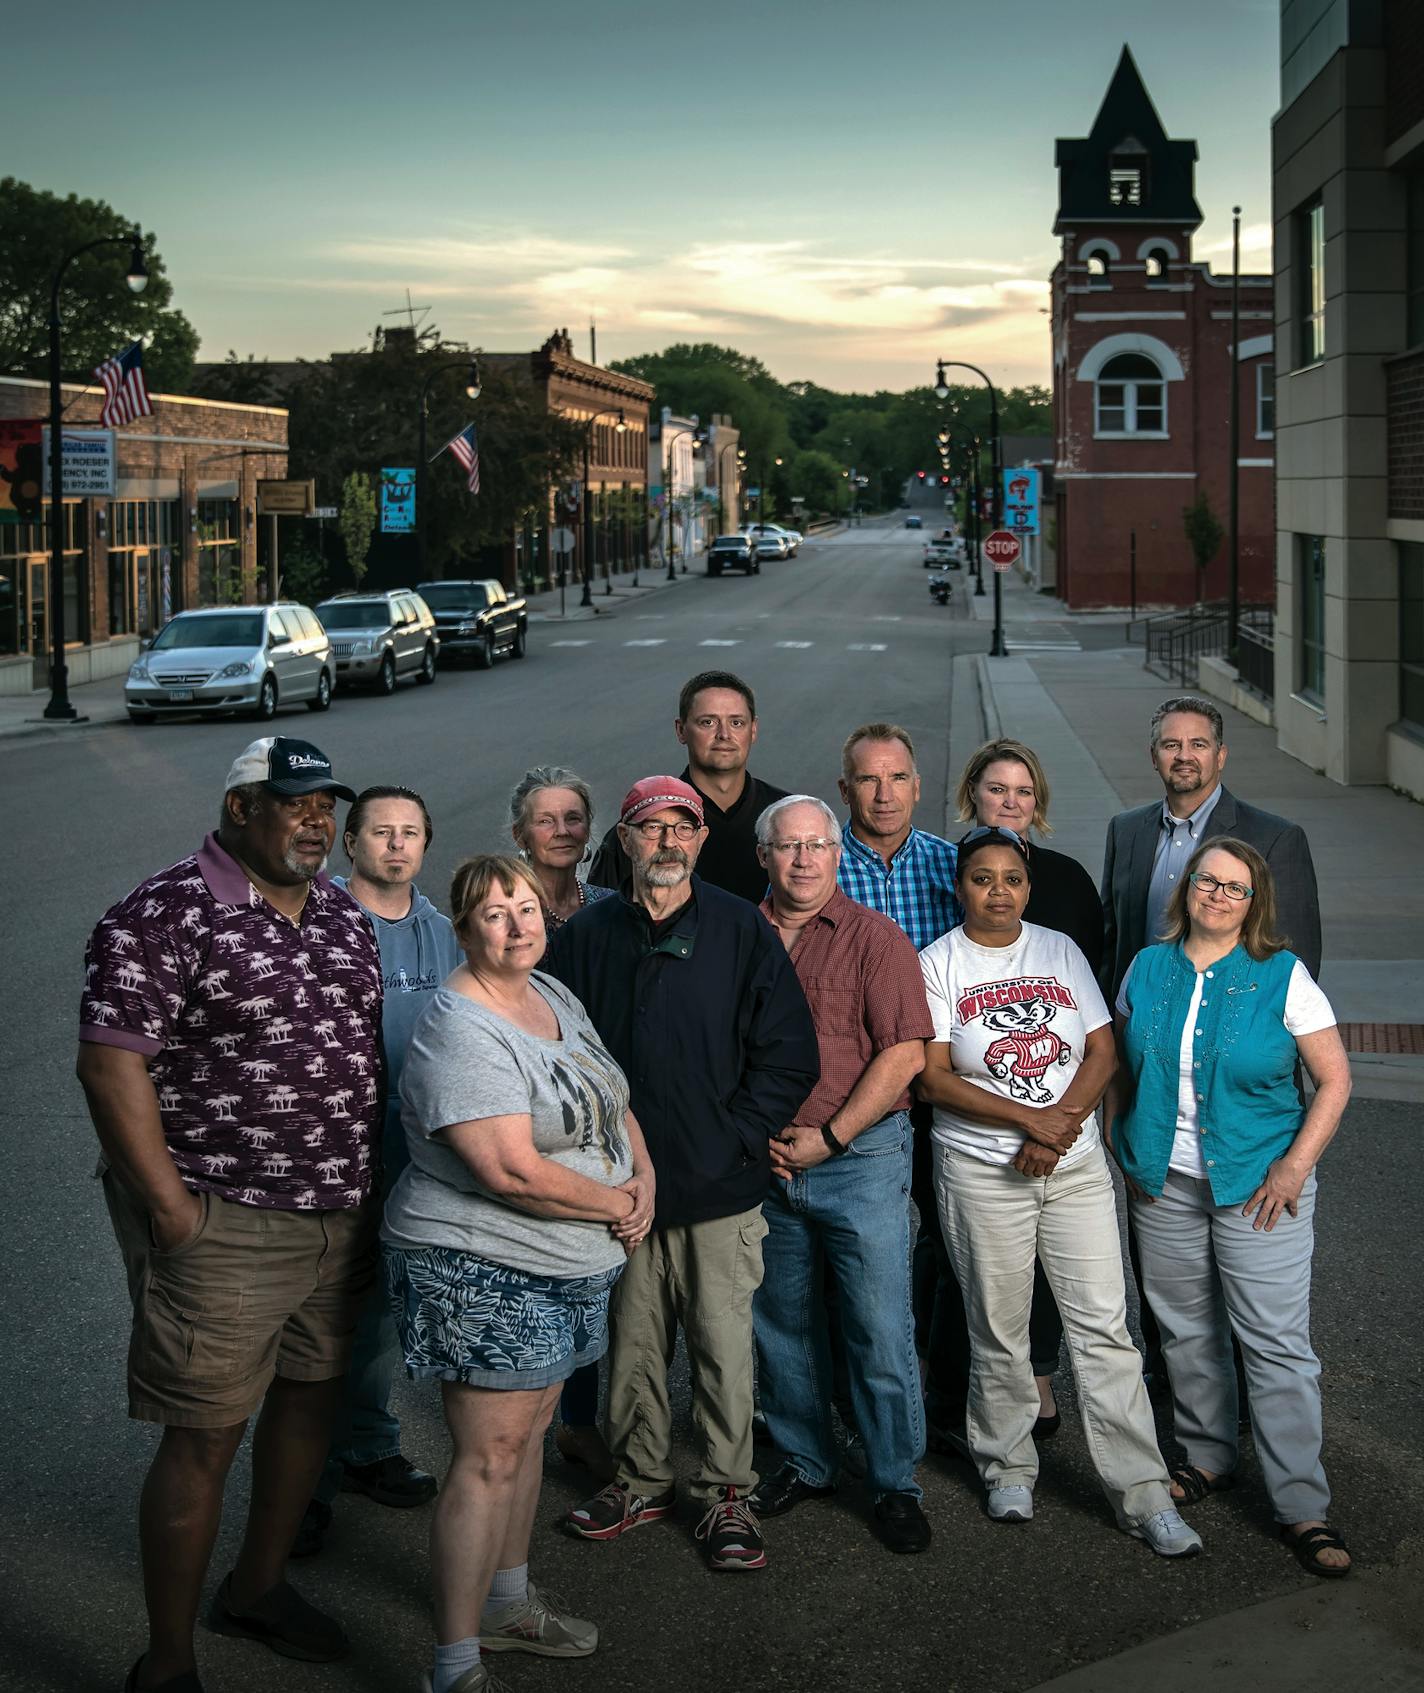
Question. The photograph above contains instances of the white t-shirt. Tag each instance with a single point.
(1307, 1012)
(1017, 1019)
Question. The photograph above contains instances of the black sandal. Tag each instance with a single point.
(1195, 1484)
(1310, 1543)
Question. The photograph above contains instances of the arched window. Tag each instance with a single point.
(1156, 263)
(1130, 397)
(1097, 265)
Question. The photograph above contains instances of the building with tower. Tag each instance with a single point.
(1142, 350)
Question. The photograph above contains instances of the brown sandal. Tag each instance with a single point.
(1310, 1543)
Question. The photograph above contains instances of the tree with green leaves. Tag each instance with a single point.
(1204, 535)
(361, 410)
(357, 520)
(98, 314)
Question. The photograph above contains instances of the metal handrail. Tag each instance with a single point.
(1173, 641)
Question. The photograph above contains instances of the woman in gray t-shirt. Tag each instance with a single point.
(529, 1184)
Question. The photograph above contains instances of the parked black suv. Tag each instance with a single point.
(733, 552)
(477, 619)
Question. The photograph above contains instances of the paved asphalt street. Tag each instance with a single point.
(844, 633)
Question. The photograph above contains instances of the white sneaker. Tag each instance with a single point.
(1167, 1534)
(1011, 1504)
(538, 1624)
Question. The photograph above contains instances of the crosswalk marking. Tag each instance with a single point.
(569, 643)
(885, 617)
(719, 643)
(799, 646)
(651, 616)
(659, 642)
(1044, 646)
(866, 647)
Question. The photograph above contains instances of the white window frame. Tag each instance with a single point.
(1264, 370)
(1130, 386)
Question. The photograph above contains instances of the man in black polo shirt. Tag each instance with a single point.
(717, 723)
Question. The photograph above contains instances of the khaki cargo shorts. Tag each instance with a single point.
(255, 1293)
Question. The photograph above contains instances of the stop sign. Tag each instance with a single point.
(1002, 549)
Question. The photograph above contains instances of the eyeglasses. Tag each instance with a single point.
(657, 831)
(817, 848)
(1209, 885)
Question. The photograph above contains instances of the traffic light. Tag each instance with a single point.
(944, 481)
(920, 474)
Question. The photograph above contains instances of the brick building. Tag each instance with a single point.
(1348, 190)
(617, 491)
(181, 531)
(1141, 371)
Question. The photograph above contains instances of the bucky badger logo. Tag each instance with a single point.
(1028, 1046)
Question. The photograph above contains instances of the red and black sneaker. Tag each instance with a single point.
(733, 1540)
(615, 1511)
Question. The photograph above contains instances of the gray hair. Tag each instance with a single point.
(535, 781)
(765, 822)
(1195, 704)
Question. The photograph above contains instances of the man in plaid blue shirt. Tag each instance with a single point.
(887, 863)
(891, 866)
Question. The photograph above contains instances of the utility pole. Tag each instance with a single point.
(1233, 507)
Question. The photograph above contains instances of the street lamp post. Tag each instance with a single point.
(471, 367)
(998, 648)
(137, 278)
(620, 427)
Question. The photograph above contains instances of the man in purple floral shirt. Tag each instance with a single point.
(230, 1051)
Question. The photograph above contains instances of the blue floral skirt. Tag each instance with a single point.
(461, 1318)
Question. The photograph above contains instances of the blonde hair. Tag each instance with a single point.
(992, 752)
(473, 880)
(1258, 929)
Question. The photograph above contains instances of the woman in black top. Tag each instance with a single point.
(1003, 786)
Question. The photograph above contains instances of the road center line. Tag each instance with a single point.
(736, 643)
(569, 643)
(659, 642)
(866, 647)
(798, 646)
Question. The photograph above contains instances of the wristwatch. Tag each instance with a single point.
(836, 1149)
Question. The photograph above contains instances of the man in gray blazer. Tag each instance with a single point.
(1148, 847)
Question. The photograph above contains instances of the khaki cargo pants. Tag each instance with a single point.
(703, 1276)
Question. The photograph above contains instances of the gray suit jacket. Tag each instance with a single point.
(1127, 872)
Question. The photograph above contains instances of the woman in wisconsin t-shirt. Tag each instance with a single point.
(1022, 1053)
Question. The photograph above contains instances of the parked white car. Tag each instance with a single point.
(792, 537)
(249, 658)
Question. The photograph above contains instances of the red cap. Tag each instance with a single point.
(655, 793)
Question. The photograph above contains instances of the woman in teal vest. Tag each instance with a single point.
(1219, 1155)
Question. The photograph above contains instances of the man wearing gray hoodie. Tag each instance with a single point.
(387, 832)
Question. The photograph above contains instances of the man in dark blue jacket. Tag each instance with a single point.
(694, 995)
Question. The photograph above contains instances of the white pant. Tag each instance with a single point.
(995, 1222)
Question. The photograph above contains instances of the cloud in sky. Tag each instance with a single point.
(805, 294)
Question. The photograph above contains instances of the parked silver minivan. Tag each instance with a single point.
(244, 658)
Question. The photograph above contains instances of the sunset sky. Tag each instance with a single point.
(845, 191)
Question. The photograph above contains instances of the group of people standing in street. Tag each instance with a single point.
(696, 1090)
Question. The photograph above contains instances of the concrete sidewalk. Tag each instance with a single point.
(1086, 715)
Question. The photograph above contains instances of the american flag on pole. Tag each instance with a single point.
(125, 397)
(467, 449)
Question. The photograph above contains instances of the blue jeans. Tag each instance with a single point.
(852, 1213)
(366, 1429)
